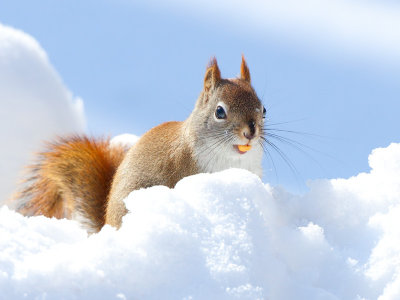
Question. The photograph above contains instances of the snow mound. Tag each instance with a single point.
(35, 104)
(220, 236)
(125, 140)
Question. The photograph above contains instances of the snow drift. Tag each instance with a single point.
(220, 236)
(35, 104)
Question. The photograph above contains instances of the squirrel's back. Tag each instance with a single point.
(71, 179)
(162, 156)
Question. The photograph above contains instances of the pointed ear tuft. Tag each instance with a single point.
(244, 71)
(213, 75)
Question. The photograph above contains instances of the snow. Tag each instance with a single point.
(35, 104)
(125, 140)
(220, 236)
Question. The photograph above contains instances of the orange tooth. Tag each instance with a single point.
(244, 148)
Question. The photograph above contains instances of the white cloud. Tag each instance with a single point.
(35, 104)
(365, 28)
(221, 236)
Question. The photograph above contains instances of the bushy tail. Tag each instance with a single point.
(71, 179)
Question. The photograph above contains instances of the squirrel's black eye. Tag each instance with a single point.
(264, 112)
(220, 113)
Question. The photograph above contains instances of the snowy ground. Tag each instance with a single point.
(220, 236)
(35, 105)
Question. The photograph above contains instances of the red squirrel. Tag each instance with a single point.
(86, 179)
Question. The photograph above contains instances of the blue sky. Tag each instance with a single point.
(323, 71)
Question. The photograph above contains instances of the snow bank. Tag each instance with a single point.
(35, 104)
(125, 140)
(220, 236)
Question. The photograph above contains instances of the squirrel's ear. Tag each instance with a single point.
(213, 75)
(244, 71)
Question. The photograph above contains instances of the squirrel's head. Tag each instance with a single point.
(228, 112)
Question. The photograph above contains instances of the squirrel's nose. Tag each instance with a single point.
(252, 130)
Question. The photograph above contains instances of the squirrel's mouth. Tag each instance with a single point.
(242, 149)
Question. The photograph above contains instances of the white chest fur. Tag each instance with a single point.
(222, 158)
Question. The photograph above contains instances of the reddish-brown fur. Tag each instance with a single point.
(72, 177)
(213, 75)
(244, 71)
